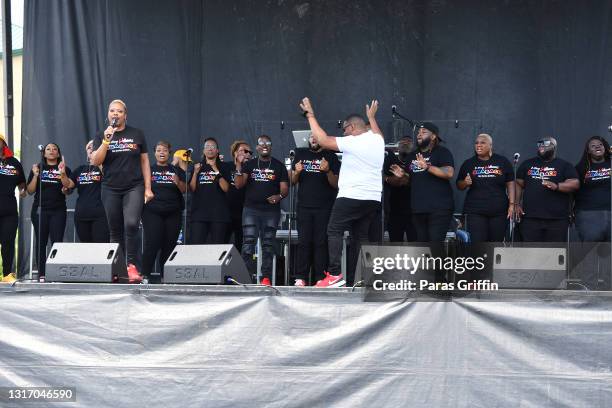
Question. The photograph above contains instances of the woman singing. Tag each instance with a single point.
(241, 153)
(89, 216)
(52, 199)
(592, 206)
(126, 183)
(489, 179)
(210, 215)
(161, 218)
(11, 176)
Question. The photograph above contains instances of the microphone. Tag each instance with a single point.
(189, 151)
(292, 154)
(41, 148)
(114, 123)
(517, 156)
(339, 124)
(393, 110)
(610, 128)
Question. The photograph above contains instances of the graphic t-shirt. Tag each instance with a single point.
(314, 189)
(235, 196)
(11, 175)
(362, 162)
(88, 183)
(122, 162)
(487, 194)
(539, 201)
(263, 181)
(430, 193)
(52, 196)
(168, 198)
(209, 201)
(398, 196)
(594, 193)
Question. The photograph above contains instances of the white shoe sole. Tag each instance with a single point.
(338, 284)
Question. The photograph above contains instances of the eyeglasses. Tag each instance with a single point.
(210, 146)
(266, 143)
(246, 151)
(544, 143)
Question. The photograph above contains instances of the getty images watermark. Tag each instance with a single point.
(410, 264)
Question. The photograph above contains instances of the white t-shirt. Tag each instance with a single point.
(361, 170)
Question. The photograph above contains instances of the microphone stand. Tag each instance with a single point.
(40, 210)
(512, 221)
(395, 114)
(291, 188)
(188, 181)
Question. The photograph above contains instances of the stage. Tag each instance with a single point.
(254, 346)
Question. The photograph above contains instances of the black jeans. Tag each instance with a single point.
(8, 232)
(123, 211)
(206, 232)
(485, 228)
(262, 224)
(593, 226)
(400, 225)
(52, 226)
(161, 230)
(92, 230)
(312, 243)
(544, 230)
(432, 227)
(348, 215)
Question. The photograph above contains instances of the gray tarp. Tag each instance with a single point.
(123, 345)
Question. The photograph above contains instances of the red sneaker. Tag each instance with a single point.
(133, 275)
(266, 281)
(330, 281)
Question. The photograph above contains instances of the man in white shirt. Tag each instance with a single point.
(359, 183)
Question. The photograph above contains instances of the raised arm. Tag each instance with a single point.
(325, 141)
(371, 115)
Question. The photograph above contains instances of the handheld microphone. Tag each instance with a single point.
(292, 154)
(393, 110)
(517, 156)
(339, 124)
(41, 148)
(114, 123)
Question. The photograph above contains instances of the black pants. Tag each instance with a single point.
(544, 230)
(52, 226)
(485, 228)
(206, 232)
(312, 244)
(8, 232)
(235, 228)
(123, 210)
(400, 226)
(348, 215)
(432, 227)
(92, 230)
(161, 230)
(262, 224)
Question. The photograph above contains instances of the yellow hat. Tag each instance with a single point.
(182, 154)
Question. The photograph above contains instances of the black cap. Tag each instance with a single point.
(432, 128)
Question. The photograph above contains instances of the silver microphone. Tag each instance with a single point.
(517, 156)
(114, 123)
(41, 148)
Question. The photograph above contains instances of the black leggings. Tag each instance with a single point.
(8, 232)
(485, 228)
(205, 232)
(52, 225)
(92, 230)
(123, 210)
(312, 244)
(161, 230)
(431, 227)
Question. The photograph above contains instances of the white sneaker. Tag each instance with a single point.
(299, 282)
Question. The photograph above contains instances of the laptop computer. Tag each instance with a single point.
(301, 138)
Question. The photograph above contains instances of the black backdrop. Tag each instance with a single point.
(233, 69)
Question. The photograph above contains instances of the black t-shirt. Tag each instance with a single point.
(11, 175)
(122, 162)
(264, 181)
(487, 194)
(235, 196)
(52, 196)
(314, 189)
(539, 201)
(398, 197)
(209, 202)
(594, 193)
(168, 198)
(88, 182)
(430, 193)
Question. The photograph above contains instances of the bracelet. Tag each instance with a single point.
(106, 142)
(281, 196)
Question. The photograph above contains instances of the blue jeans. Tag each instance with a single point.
(262, 224)
(593, 226)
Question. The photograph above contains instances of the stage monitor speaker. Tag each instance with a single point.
(211, 264)
(530, 268)
(86, 262)
(368, 253)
